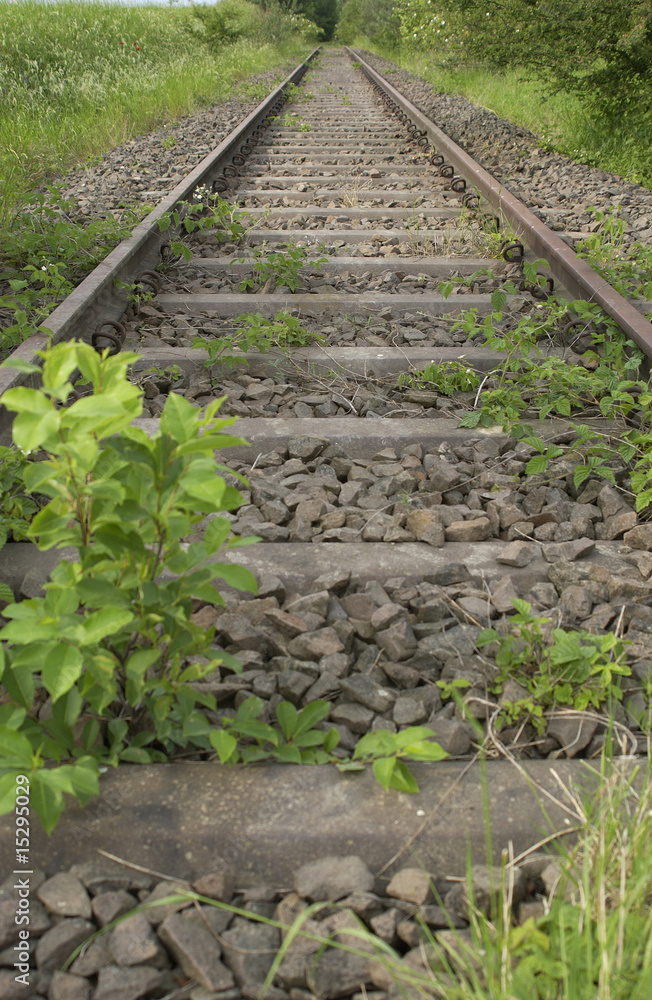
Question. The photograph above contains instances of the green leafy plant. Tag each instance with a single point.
(386, 752)
(283, 265)
(255, 332)
(112, 646)
(448, 377)
(16, 508)
(292, 120)
(208, 211)
(245, 739)
(575, 669)
(44, 252)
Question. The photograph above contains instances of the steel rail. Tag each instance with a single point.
(96, 299)
(574, 273)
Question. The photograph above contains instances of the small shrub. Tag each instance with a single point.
(112, 648)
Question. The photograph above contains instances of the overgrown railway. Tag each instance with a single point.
(359, 286)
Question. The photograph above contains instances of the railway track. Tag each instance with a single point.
(391, 535)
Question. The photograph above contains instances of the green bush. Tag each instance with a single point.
(101, 668)
(230, 20)
(600, 49)
(376, 20)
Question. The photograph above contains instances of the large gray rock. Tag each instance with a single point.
(249, 950)
(333, 878)
(64, 986)
(338, 974)
(133, 942)
(366, 692)
(196, 950)
(116, 983)
(109, 905)
(64, 895)
(60, 941)
(412, 885)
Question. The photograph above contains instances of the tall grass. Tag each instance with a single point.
(77, 78)
(561, 120)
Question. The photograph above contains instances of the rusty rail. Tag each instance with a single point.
(577, 276)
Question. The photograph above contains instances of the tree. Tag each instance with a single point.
(376, 20)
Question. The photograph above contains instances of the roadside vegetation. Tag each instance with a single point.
(102, 73)
(576, 72)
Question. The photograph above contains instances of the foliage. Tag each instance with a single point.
(322, 13)
(16, 508)
(102, 73)
(629, 270)
(290, 120)
(232, 20)
(447, 376)
(282, 264)
(112, 646)
(596, 53)
(376, 20)
(386, 751)
(244, 739)
(575, 669)
(257, 333)
(45, 251)
(208, 211)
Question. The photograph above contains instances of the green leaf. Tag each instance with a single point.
(424, 750)
(6, 594)
(257, 730)
(21, 365)
(216, 534)
(411, 735)
(311, 714)
(402, 779)
(224, 743)
(250, 708)
(287, 716)
(8, 790)
(383, 769)
(375, 744)
(140, 661)
(32, 430)
(287, 754)
(331, 740)
(46, 799)
(179, 418)
(84, 778)
(19, 685)
(15, 749)
(311, 738)
(23, 400)
(536, 465)
(102, 623)
(61, 669)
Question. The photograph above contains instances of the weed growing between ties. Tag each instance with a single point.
(206, 211)
(258, 334)
(112, 646)
(113, 636)
(281, 266)
(554, 667)
(535, 381)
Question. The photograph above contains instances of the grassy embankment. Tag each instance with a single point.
(560, 120)
(79, 78)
